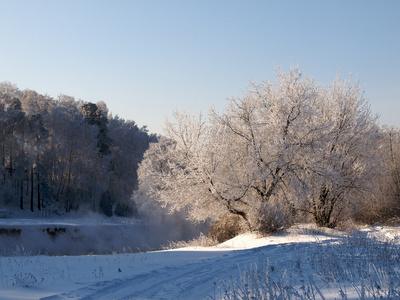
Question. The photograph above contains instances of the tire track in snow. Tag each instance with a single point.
(168, 282)
(192, 280)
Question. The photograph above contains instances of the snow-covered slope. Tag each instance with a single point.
(186, 273)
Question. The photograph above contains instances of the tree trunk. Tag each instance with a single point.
(32, 188)
(324, 207)
(38, 191)
(38, 182)
(10, 169)
(21, 199)
(4, 162)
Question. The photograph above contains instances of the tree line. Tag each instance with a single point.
(64, 154)
(286, 151)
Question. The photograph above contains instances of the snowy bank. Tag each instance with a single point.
(187, 273)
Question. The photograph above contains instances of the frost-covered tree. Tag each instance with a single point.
(58, 154)
(95, 116)
(278, 132)
(393, 161)
(12, 148)
(36, 136)
(285, 146)
(240, 161)
(349, 161)
(173, 168)
(390, 184)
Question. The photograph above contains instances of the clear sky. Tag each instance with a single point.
(145, 58)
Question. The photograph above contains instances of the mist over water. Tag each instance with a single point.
(94, 234)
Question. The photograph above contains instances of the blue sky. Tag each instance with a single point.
(146, 58)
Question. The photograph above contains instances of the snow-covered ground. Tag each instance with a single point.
(186, 273)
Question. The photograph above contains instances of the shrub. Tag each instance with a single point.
(125, 210)
(227, 228)
(271, 218)
(201, 241)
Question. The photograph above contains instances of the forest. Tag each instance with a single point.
(287, 151)
(62, 155)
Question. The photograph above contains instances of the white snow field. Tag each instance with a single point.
(300, 260)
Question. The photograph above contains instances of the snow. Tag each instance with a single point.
(185, 273)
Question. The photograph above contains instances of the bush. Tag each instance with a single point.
(107, 203)
(227, 228)
(125, 210)
(271, 218)
(201, 241)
